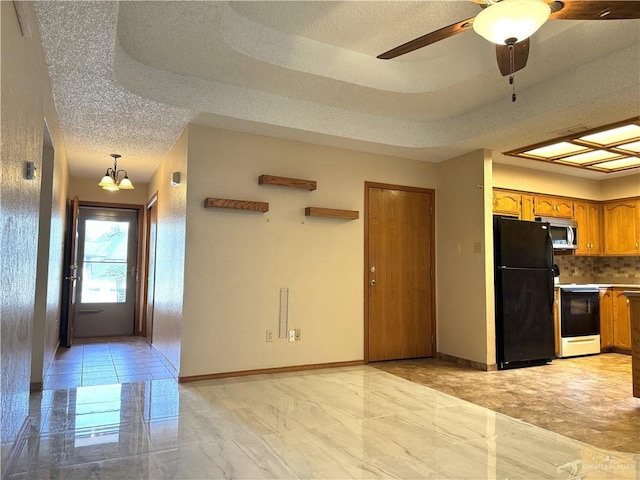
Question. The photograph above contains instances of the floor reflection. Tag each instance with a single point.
(356, 422)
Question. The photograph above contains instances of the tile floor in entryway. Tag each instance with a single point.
(103, 361)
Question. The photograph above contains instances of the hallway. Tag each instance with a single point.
(103, 361)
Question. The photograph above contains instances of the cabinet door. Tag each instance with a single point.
(526, 211)
(581, 216)
(506, 203)
(563, 208)
(606, 318)
(621, 320)
(595, 228)
(544, 206)
(552, 207)
(588, 217)
(621, 227)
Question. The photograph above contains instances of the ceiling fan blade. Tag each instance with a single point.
(428, 39)
(520, 56)
(596, 10)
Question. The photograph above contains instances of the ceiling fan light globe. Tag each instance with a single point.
(511, 19)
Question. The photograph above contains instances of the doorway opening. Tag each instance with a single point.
(102, 261)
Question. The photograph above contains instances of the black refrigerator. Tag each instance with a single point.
(523, 255)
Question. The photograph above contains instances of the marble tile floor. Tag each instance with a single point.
(342, 423)
(587, 398)
(103, 361)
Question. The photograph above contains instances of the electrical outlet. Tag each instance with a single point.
(269, 335)
(298, 334)
(292, 335)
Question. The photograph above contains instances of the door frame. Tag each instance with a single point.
(147, 325)
(432, 258)
(137, 324)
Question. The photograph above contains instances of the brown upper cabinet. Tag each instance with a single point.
(588, 216)
(506, 203)
(526, 209)
(621, 227)
(544, 206)
(604, 228)
(514, 204)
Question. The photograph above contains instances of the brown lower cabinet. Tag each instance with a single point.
(615, 319)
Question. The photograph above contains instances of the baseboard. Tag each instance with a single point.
(264, 371)
(623, 351)
(467, 363)
(16, 448)
(166, 362)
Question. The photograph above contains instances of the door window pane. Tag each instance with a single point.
(104, 275)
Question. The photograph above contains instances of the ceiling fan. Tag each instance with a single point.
(510, 23)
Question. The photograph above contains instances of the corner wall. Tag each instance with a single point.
(170, 253)
(237, 261)
(464, 271)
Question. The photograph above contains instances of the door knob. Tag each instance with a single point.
(71, 278)
(372, 283)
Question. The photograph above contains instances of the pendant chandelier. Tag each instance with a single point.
(111, 180)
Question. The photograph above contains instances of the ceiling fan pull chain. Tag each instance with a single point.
(512, 74)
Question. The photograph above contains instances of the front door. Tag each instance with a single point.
(399, 260)
(106, 274)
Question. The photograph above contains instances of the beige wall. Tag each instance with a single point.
(539, 181)
(622, 187)
(87, 189)
(238, 261)
(170, 253)
(27, 103)
(465, 259)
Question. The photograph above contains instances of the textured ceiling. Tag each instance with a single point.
(128, 77)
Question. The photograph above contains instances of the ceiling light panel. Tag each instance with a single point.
(594, 156)
(556, 150)
(614, 136)
(630, 147)
(610, 148)
(620, 164)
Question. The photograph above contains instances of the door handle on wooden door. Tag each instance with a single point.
(372, 283)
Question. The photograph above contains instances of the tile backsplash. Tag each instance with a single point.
(617, 270)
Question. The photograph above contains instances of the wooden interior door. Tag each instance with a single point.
(399, 249)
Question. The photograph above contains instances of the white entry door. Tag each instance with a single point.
(106, 274)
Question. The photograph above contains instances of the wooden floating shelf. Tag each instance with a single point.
(331, 213)
(287, 182)
(236, 204)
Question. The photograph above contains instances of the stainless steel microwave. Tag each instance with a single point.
(564, 232)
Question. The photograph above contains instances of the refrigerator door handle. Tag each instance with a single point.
(551, 289)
